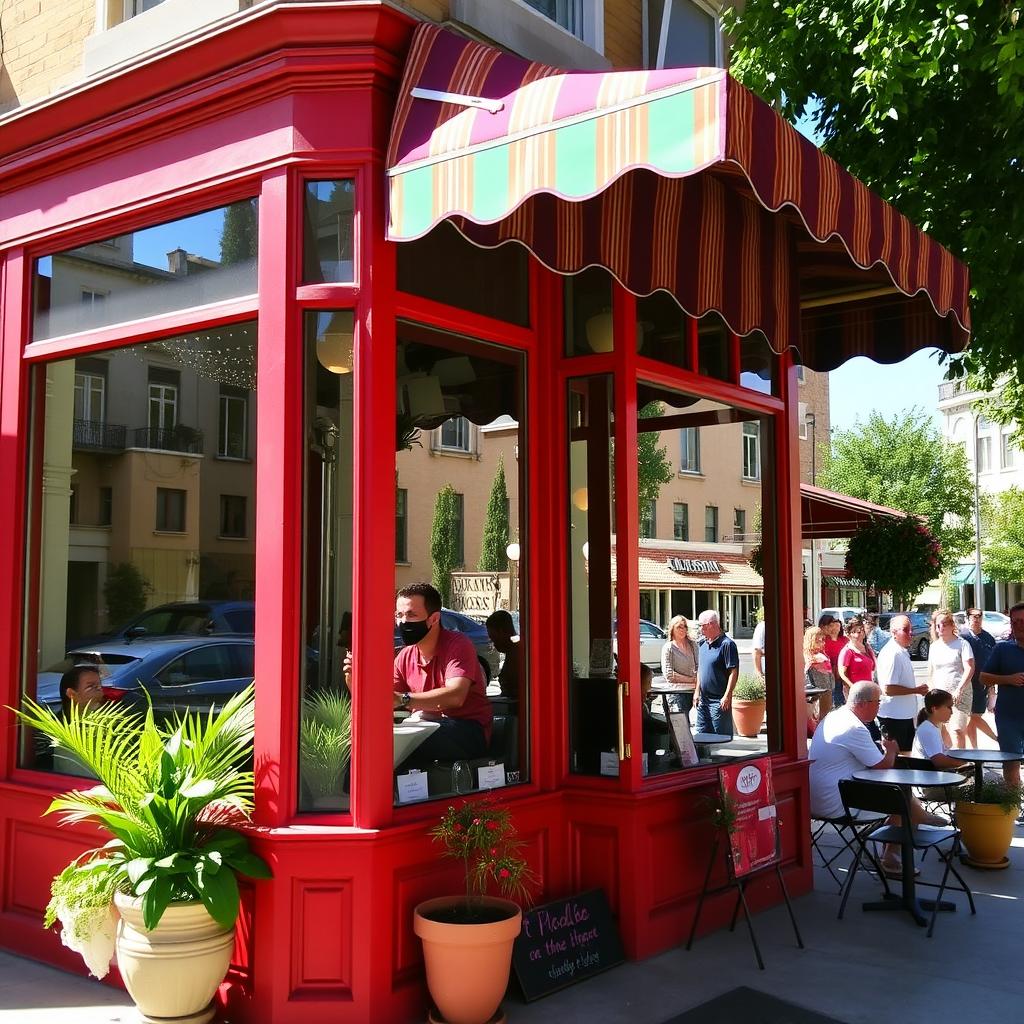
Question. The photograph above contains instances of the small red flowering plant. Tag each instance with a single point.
(483, 837)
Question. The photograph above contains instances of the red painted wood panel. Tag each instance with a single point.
(323, 930)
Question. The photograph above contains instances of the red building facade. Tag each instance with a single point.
(266, 109)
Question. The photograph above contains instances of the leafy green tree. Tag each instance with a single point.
(444, 541)
(1004, 550)
(907, 465)
(238, 233)
(492, 551)
(125, 590)
(924, 102)
(654, 468)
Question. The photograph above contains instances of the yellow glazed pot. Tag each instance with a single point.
(986, 831)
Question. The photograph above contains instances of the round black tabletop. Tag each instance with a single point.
(709, 738)
(909, 777)
(985, 756)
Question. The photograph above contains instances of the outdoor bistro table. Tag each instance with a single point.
(909, 778)
(708, 739)
(981, 758)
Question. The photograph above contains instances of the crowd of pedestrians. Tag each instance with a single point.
(969, 672)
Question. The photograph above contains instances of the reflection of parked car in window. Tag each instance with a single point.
(995, 623)
(652, 639)
(920, 631)
(477, 633)
(842, 614)
(179, 673)
(184, 617)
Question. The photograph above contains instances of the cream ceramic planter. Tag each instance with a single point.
(174, 971)
(468, 964)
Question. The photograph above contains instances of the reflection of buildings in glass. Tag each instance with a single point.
(149, 461)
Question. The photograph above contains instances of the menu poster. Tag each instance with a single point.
(754, 838)
(681, 737)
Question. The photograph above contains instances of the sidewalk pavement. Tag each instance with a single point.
(863, 969)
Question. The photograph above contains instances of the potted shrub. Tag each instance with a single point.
(748, 703)
(986, 818)
(467, 939)
(325, 744)
(165, 796)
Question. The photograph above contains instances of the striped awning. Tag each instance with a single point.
(677, 179)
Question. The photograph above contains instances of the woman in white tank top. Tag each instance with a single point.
(950, 666)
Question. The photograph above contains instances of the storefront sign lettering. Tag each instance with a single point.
(480, 593)
(695, 566)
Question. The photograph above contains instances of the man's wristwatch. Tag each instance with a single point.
(403, 700)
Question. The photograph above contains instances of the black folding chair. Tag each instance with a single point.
(939, 804)
(845, 829)
(889, 799)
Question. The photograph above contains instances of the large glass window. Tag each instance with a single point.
(595, 738)
(717, 577)
(751, 451)
(325, 740)
(461, 521)
(193, 261)
(138, 573)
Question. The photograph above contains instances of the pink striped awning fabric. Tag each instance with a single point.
(677, 179)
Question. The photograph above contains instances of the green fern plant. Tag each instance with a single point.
(166, 795)
(325, 742)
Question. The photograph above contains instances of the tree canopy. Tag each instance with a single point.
(906, 464)
(924, 101)
(1004, 550)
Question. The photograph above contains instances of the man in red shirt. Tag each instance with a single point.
(438, 676)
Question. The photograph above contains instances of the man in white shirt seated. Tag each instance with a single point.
(841, 746)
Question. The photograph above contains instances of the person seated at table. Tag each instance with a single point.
(937, 711)
(841, 746)
(438, 677)
(655, 729)
(502, 632)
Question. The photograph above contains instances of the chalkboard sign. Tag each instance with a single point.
(565, 941)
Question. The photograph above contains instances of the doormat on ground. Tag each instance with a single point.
(751, 1007)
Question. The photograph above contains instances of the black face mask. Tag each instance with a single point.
(413, 632)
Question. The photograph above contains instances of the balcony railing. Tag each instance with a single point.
(107, 437)
(177, 439)
(952, 388)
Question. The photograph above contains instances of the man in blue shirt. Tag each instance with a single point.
(1005, 669)
(982, 644)
(718, 667)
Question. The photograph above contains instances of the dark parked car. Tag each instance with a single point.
(178, 618)
(920, 631)
(179, 673)
(477, 633)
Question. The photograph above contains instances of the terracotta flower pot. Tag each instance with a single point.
(173, 971)
(986, 831)
(747, 717)
(467, 964)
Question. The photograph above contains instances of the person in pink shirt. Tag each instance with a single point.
(834, 643)
(856, 660)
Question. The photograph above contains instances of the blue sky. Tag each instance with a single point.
(861, 386)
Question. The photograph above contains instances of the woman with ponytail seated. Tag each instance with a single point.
(937, 711)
